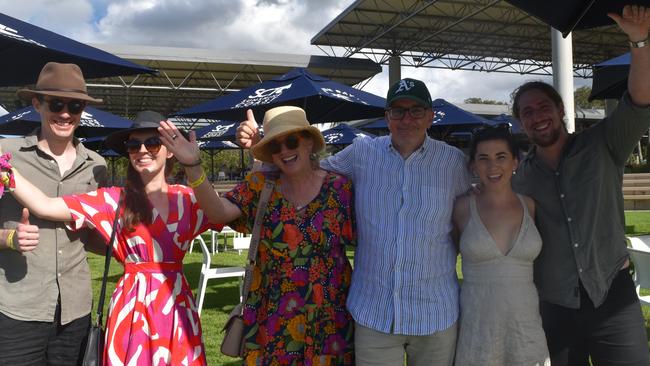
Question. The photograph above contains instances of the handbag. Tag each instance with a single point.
(233, 339)
(94, 352)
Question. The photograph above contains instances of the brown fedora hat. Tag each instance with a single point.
(59, 80)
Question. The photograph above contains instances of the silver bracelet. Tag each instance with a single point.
(638, 44)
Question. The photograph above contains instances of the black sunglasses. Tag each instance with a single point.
(57, 105)
(152, 144)
(501, 127)
(291, 142)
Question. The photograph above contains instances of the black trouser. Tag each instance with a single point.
(612, 334)
(31, 343)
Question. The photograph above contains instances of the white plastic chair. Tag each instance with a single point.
(641, 242)
(209, 273)
(641, 261)
(226, 231)
(241, 243)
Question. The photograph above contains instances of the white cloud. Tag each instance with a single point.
(283, 26)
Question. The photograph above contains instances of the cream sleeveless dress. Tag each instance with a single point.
(499, 309)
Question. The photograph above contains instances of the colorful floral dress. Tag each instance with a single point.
(295, 313)
(152, 316)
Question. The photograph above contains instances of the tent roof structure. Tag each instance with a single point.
(190, 76)
(481, 35)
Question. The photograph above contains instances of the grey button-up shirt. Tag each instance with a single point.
(579, 210)
(31, 282)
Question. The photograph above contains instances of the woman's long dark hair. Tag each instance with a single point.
(137, 207)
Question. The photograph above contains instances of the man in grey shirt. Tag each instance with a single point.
(45, 294)
(588, 304)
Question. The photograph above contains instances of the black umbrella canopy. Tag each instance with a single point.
(567, 15)
(26, 48)
(610, 78)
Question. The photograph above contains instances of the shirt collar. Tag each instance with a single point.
(426, 144)
(31, 142)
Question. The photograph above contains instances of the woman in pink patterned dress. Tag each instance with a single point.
(152, 316)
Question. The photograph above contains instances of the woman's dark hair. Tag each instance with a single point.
(137, 208)
(535, 85)
(488, 133)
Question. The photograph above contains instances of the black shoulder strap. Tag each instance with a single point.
(107, 263)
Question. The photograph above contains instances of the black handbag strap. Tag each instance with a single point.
(255, 238)
(107, 264)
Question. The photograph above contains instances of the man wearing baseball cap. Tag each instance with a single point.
(44, 276)
(404, 292)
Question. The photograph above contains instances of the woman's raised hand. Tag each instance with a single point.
(248, 131)
(186, 151)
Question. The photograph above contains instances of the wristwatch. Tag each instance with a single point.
(638, 44)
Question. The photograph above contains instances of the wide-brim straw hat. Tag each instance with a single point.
(282, 121)
(59, 80)
(145, 120)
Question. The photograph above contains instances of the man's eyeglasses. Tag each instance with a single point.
(399, 113)
(152, 144)
(57, 105)
(291, 142)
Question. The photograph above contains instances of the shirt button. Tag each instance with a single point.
(60, 252)
(58, 274)
(557, 173)
(580, 270)
(568, 219)
(561, 195)
(575, 245)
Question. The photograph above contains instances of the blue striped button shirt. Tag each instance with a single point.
(404, 279)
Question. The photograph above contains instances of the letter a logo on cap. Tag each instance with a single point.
(404, 85)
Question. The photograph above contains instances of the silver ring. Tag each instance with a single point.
(174, 136)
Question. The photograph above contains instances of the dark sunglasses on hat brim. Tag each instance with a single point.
(152, 144)
(56, 105)
(501, 127)
(291, 142)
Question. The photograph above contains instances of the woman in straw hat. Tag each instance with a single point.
(152, 316)
(295, 313)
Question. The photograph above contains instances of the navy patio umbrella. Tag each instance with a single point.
(94, 122)
(567, 15)
(343, 134)
(323, 100)
(446, 115)
(26, 48)
(610, 78)
(218, 130)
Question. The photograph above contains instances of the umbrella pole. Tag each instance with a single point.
(241, 159)
(112, 162)
(212, 164)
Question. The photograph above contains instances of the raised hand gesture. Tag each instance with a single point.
(635, 22)
(26, 237)
(186, 151)
(248, 131)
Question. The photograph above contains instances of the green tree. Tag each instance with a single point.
(581, 99)
(476, 100)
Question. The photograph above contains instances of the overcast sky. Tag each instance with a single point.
(282, 26)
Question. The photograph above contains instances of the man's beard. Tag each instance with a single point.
(548, 140)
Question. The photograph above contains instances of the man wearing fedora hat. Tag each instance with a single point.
(404, 291)
(46, 296)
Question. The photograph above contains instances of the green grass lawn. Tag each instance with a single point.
(222, 294)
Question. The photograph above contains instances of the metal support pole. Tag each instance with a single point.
(563, 73)
(394, 70)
